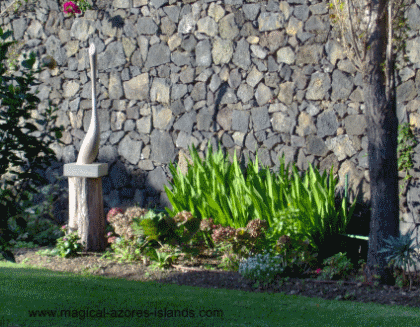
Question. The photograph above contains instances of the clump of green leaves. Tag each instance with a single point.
(401, 252)
(152, 226)
(296, 255)
(128, 250)
(261, 268)
(157, 226)
(164, 258)
(406, 142)
(19, 148)
(68, 245)
(337, 266)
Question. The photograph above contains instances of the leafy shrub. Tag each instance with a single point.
(21, 244)
(19, 149)
(285, 223)
(158, 227)
(163, 259)
(297, 256)
(127, 250)
(185, 226)
(241, 241)
(153, 226)
(205, 232)
(68, 245)
(230, 261)
(337, 266)
(48, 232)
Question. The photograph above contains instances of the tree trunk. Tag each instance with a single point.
(382, 149)
(86, 212)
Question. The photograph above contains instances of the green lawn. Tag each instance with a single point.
(28, 291)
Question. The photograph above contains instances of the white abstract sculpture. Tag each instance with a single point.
(86, 210)
(90, 146)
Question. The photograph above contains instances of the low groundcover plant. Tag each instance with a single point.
(337, 267)
(261, 268)
(68, 245)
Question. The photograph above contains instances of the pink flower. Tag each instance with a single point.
(111, 239)
(71, 8)
(64, 239)
(318, 270)
(113, 212)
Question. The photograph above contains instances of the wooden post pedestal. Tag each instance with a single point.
(86, 210)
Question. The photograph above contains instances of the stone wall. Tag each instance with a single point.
(260, 74)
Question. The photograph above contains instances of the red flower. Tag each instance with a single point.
(71, 8)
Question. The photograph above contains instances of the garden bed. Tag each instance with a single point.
(204, 272)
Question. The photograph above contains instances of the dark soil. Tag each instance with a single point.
(203, 272)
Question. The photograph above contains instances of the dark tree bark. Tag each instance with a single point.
(382, 149)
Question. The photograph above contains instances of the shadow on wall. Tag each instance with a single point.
(120, 188)
(123, 187)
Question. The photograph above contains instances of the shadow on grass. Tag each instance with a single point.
(39, 297)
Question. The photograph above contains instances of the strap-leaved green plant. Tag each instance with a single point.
(219, 190)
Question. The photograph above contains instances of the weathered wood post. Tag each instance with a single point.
(86, 211)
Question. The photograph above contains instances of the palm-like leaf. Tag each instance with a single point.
(400, 249)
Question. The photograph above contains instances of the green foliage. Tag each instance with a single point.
(51, 193)
(69, 245)
(127, 250)
(337, 266)
(82, 4)
(286, 223)
(40, 227)
(230, 261)
(22, 244)
(203, 235)
(17, 140)
(296, 255)
(162, 260)
(314, 197)
(159, 227)
(153, 226)
(184, 226)
(401, 251)
(261, 268)
(406, 141)
(219, 190)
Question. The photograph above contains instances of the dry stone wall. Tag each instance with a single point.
(263, 75)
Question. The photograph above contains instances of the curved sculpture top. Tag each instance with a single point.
(90, 146)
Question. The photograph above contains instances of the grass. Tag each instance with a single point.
(33, 291)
